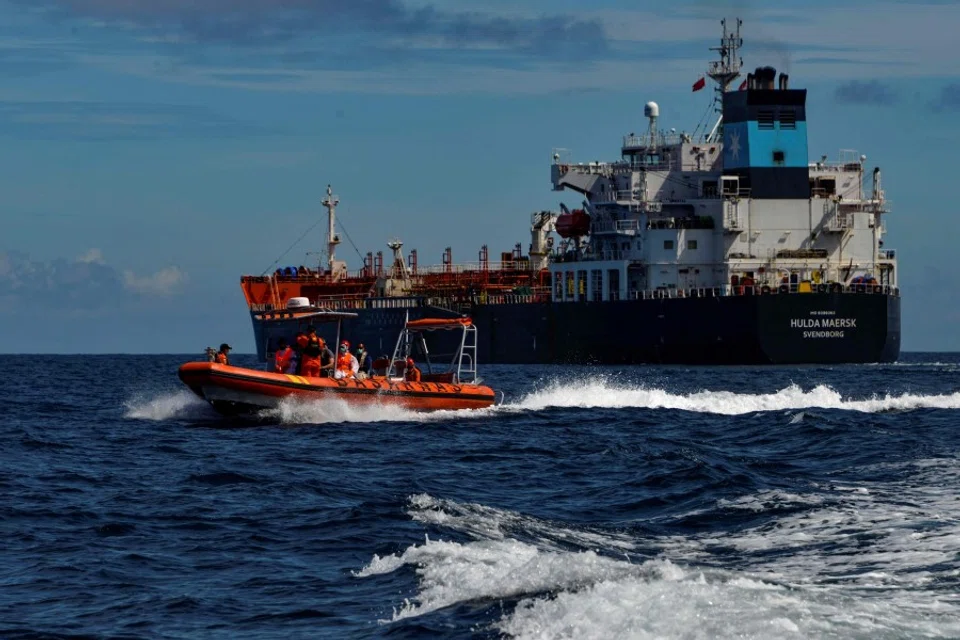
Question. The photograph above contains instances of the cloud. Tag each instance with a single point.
(89, 120)
(93, 256)
(85, 284)
(865, 92)
(948, 100)
(162, 283)
(263, 22)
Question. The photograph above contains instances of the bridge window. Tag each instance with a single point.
(778, 157)
(668, 244)
(691, 244)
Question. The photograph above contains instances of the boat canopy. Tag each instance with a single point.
(429, 324)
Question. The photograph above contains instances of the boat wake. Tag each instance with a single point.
(180, 405)
(575, 394)
(585, 584)
(293, 411)
(612, 395)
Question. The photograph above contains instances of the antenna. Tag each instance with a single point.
(331, 202)
(724, 71)
(727, 69)
(651, 110)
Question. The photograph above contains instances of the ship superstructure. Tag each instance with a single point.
(739, 208)
(721, 246)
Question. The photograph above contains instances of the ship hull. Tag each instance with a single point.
(809, 328)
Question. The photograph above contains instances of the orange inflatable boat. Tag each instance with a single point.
(235, 390)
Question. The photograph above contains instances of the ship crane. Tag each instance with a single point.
(542, 224)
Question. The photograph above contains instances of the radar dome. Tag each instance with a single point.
(651, 110)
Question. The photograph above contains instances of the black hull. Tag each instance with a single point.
(808, 328)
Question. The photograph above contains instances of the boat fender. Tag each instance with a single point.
(877, 288)
(765, 289)
(784, 288)
(821, 288)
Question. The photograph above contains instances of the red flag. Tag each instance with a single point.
(743, 85)
(699, 84)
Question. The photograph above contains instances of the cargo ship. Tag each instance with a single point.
(727, 245)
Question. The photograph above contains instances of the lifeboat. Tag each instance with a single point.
(573, 224)
(233, 390)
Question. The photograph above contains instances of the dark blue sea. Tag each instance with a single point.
(596, 502)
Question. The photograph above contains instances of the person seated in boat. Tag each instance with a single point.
(347, 365)
(222, 355)
(366, 363)
(283, 356)
(310, 355)
(410, 372)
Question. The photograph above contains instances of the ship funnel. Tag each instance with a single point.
(784, 82)
(765, 77)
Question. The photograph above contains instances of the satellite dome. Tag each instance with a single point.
(651, 110)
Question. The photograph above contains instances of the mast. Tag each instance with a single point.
(331, 202)
(724, 71)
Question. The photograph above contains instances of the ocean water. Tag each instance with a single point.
(596, 502)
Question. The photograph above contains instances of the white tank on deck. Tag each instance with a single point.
(298, 303)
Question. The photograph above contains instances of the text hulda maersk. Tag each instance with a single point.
(823, 327)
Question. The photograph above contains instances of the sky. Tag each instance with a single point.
(153, 151)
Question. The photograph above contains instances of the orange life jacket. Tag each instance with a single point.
(282, 360)
(314, 346)
(222, 358)
(412, 374)
(345, 363)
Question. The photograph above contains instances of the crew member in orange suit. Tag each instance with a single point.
(347, 364)
(310, 359)
(281, 359)
(222, 354)
(411, 373)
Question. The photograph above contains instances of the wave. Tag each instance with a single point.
(178, 405)
(611, 395)
(793, 580)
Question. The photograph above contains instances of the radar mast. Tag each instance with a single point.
(724, 71)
